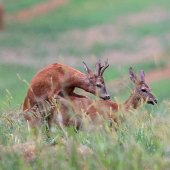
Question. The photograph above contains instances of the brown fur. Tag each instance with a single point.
(51, 80)
(109, 109)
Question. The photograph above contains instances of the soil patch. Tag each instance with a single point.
(152, 15)
(26, 15)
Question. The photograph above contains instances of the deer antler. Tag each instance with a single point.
(98, 68)
(105, 66)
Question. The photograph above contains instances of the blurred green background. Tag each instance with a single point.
(130, 33)
(127, 32)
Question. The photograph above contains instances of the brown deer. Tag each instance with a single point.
(57, 78)
(105, 108)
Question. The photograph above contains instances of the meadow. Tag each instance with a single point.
(130, 34)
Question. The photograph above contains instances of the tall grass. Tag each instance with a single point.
(141, 142)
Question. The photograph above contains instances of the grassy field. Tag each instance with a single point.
(19, 4)
(11, 82)
(73, 32)
(139, 143)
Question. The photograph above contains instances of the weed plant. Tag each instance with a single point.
(141, 142)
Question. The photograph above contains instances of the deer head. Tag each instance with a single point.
(141, 88)
(96, 81)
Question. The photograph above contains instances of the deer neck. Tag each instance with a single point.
(133, 101)
(81, 81)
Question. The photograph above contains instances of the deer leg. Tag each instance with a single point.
(67, 113)
(64, 110)
(30, 113)
(45, 115)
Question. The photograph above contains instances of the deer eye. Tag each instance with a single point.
(144, 90)
(98, 85)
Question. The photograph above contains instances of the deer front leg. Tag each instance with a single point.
(66, 114)
(60, 108)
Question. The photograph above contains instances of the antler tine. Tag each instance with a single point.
(105, 66)
(98, 68)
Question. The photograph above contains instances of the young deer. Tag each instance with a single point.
(57, 78)
(92, 108)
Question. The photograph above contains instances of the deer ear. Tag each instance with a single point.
(132, 75)
(87, 70)
(141, 75)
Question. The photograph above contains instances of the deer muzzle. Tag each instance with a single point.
(106, 95)
(152, 102)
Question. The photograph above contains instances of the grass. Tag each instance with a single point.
(140, 142)
(42, 33)
(155, 29)
(76, 15)
(82, 14)
(161, 89)
(12, 83)
(38, 35)
(99, 48)
(11, 6)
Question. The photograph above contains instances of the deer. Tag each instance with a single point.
(49, 82)
(105, 108)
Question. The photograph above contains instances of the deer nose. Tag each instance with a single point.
(107, 97)
(155, 101)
